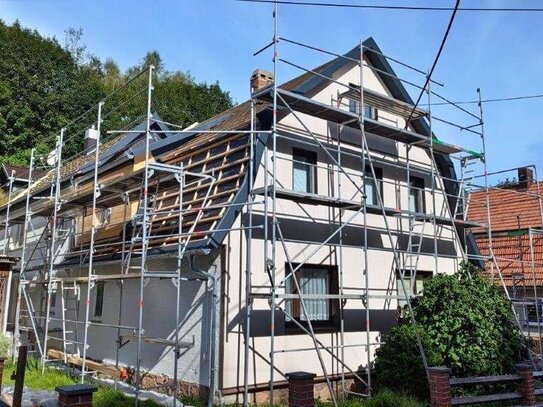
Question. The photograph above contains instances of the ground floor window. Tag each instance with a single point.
(313, 280)
(414, 284)
(99, 302)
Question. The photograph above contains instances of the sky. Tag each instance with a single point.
(214, 40)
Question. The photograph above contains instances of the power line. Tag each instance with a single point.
(441, 46)
(388, 7)
(505, 99)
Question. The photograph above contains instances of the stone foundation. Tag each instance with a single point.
(164, 384)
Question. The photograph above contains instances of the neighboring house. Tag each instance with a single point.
(515, 216)
(19, 175)
(314, 198)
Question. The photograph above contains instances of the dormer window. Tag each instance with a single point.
(370, 112)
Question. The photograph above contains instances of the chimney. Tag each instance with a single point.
(260, 79)
(525, 177)
(91, 136)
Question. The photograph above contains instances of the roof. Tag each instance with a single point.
(21, 173)
(514, 258)
(513, 211)
(511, 208)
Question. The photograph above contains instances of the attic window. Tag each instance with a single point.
(370, 112)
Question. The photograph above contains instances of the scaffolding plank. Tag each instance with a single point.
(83, 279)
(386, 103)
(78, 361)
(314, 199)
(160, 341)
(320, 110)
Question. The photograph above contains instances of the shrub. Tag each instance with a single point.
(5, 346)
(465, 323)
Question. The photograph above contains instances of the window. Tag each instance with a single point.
(304, 171)
(313, 279)
(99, 303)
(414, 284)
(370, 112)
(530, 313)
(416, 195)
(371, 185)
(106, 216)
(53, 302)
(18, 238)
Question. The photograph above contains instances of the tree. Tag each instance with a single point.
(507, 182)
(74, 45)
(41, 88)
(44, 87)
(465, 323)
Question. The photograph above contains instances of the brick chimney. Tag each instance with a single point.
(91, 136)
(260, 79)
(525, 177)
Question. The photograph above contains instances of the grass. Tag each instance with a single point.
(382, 399)
(109, 397)
(34, 379)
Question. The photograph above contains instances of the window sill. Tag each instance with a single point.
(318, 327)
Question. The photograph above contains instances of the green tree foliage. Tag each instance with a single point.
(41, 87)
(44, 86)
(465, 323)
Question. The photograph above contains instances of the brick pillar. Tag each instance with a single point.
(301, 389)
(79, 395)
(2, 362)
(440, 386)
(526, 386)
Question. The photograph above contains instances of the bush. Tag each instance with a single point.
(5, 346)
(465, 323)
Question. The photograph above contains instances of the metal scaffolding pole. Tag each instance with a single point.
(273, 266)
(248, 265)
(144, 232)
(6, 221)
(366, 270)
(22, 269)
(53, 241)
(94, 226)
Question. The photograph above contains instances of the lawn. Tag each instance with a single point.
(34, 379)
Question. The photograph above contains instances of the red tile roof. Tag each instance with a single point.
(513, 210)
(514, 258)
(510, 208)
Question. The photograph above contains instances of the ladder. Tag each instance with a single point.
(70, 300)
(465, 185)
(137, 227)
(413, 252)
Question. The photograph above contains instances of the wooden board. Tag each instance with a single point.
(90, 365)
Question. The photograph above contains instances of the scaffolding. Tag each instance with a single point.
(172, 205)
(452, 213)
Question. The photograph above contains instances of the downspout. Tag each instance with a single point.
(213, 331)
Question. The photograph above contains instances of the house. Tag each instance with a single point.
(514, 241)
(19, 175)
(232, 255)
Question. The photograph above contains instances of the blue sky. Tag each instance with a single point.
(214, 40)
